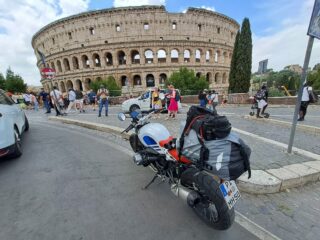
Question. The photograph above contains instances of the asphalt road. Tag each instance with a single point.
(75, 184)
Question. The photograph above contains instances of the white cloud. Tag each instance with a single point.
(19, 20)
(124, 3)
(208, 8)
(288, 45)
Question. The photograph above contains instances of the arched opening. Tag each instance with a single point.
(216, 56)
(135, 57)
(224, 78)
(59, 66)
(136, 80)
(122, 58)
(85, 61)
(198, 75)
(62, 87)
(162, 79)
(53, 66)
(150, 80)
(217, 78)
(208, 55)
(69, 84)
(96, 60)
(149, 56)
(174, 56)
(198, 55)
(75, 63)
(87, 83)
(66, 64)
(186, 56)
(124, 81)
(79, 85)
(56, 84)
(162, 56)
(208, 77)
(225, 57)
(108, 57)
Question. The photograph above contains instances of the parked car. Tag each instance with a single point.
(144, 102)
(13, 123)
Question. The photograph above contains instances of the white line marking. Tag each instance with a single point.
(254, 228)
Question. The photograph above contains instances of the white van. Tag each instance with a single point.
(144, 102)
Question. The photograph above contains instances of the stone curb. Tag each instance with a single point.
(261, 181)
(305, 128)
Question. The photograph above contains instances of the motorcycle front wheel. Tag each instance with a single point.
(211, 207)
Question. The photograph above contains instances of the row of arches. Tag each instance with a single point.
(134, 56)
(137, 80)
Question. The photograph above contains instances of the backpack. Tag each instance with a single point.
(177, 97)
(261, 94)
(313, 97)
(206, 140)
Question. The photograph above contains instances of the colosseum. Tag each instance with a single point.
(139, 46)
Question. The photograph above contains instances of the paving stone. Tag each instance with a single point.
(288, 178)
(314, 165)
(306, 173)
(260, 182)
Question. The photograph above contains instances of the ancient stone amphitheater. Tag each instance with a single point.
(139, 46)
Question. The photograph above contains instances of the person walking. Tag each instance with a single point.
(215, 100)
(156, 102)
(92, 99)
(27, 100)
(44, 96)
(57, 101)
(34, 102)
(305, 100)
(79, 100)
(210, 96)
(262, 99)
(173, 106)
(103, 95)
(72, 100)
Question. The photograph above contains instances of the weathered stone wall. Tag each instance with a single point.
(139, 46)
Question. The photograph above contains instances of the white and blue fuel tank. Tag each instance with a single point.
(151, 134)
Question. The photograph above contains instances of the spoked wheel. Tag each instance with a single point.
(211, 207)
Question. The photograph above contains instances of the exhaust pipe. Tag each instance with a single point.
(190, 197)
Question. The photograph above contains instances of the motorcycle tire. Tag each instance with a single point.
(209, 189)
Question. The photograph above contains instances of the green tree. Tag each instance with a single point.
(109, 83)
(2, 81)
(187, 82)
(243, 68)
(314, 79)
(234, 63)
(14, 83)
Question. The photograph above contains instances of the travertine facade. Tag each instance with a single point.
(139, 46)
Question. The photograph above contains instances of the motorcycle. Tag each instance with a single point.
(210, 197)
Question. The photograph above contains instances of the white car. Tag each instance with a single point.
(143, 102)
(13, 122)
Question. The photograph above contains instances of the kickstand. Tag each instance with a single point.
(153, 179)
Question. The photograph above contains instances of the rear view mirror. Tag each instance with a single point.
(121, 117)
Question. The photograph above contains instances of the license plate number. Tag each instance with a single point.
(230, 193)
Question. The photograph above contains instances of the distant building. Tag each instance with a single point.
(263, 66)
(294, 68)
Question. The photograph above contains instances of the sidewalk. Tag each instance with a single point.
(274, 170)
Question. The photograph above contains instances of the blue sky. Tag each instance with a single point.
(278, 26)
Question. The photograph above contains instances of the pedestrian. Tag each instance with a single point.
(156, 101)
(262, 99)
(305, 100)
(224, 100)
(173, 106)
(79, 100)
(27, 99)
(210, 96)
(103, 95)
(203, 98)
(215, 100)
(72, 100)
(57, 101)
(44, 96)
(92, 99)
(34, 102)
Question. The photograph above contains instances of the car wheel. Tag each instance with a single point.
(134, 108)
(26, 124)
(17, 151)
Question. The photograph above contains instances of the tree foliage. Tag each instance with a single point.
(109, 83)
(314, 79)
(13, 82)
(2, 81)
(242, 60)
(187, 82)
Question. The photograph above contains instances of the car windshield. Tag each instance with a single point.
(145, 95)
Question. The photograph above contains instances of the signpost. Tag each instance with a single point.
(313, 32)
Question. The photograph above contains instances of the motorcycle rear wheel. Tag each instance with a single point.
(211, 208)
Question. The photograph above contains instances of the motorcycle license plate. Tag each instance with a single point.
(230, 193)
